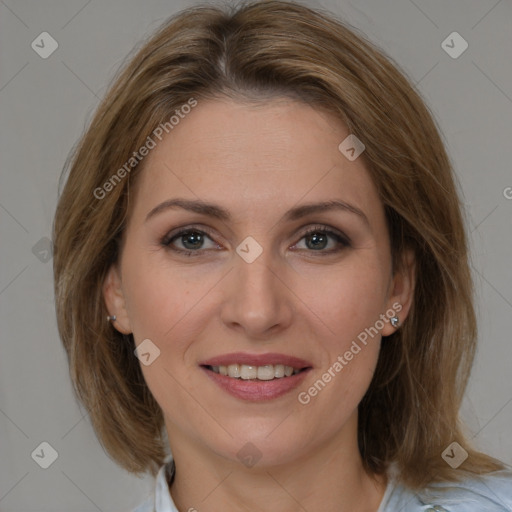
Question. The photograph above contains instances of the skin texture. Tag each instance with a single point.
(258, 161)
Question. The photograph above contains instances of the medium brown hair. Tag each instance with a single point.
(410, 412)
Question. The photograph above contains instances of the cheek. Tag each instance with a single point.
(350, 304)
(159, 298)
(163, 305)
(347, 299)
(350, 307)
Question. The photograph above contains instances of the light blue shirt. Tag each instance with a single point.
(490, 493)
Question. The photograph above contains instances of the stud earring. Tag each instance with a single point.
(394, 321)
(111, 318)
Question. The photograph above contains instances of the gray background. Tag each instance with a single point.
(45, 105)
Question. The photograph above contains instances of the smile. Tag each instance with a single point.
(250, 372)
(253, 389)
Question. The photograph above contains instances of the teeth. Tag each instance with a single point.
(250, 372)
(266, 372)
(278, 371)
(233, 370)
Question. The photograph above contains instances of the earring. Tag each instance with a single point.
(394, 321)
(111, 318)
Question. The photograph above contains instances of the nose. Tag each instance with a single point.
(258, 300)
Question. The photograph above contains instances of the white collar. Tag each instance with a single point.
(163, 499)
(492, 492)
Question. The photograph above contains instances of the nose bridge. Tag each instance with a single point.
(258, 275)
(256, 280)
(258, 298)
(254, 262)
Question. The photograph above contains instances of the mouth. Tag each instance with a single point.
(255, 377)
(251, 372)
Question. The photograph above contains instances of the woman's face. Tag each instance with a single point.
(247, 284)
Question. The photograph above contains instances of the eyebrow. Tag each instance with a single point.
(215, 211)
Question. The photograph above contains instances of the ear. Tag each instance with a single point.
(401, 291)
(115, 300)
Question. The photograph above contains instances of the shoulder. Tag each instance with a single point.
(491, 492)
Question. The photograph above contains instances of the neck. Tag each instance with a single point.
(330, 478)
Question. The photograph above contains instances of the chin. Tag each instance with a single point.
(261, 447)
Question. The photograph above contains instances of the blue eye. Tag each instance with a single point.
(317, 239)
(192, 241)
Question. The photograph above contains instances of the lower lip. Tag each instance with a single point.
(257, 390)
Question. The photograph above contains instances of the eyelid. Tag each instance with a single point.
(328, 230)
(192, 227)
(335, 233)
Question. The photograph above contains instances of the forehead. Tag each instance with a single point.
(254, 157)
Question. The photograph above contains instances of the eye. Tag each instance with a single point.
(317, 239)
(190, 238)
(192, 241)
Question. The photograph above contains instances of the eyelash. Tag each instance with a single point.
(171, 237)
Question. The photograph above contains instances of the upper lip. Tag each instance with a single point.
(256, 360)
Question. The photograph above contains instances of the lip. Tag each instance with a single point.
(257, 360)
(257, 390)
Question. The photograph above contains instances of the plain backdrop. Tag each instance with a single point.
(45, 104)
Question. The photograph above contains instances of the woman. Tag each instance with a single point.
(261, 267)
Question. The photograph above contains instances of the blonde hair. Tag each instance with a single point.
(410, 413)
